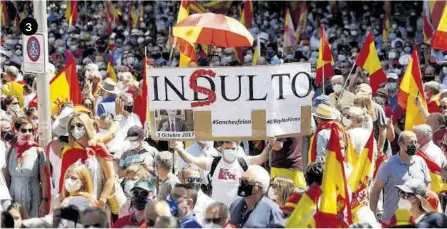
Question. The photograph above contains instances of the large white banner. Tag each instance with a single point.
(233, 97)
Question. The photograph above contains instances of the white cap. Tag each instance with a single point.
(392, 75)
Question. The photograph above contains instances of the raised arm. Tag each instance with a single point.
(178, 147)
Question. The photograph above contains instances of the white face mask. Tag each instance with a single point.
(78, 132)
(404, 204)
(347, 122)
(337, 88)
(17, 224)
(65, 223)
(229, 154)
(35, 122)
(211, 225)
(271, 194)
(134, 144)
(72, 185)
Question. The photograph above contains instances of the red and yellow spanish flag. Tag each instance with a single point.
(247, 21)
(302, 22)
(218, 6)
(303, 214)
(196, 8)
(369, 60)
(386, 19)
(4, 13)
(64, 87)
(436, 10)
(334, 206)
(111, 71)
(289, 31)
(410, 88)
(187, 50)
(402, 217)
(361, 176)
(439, 40)
(71, 12)
(325, 60)
(436, 184)
(141, 101)
(428, 27)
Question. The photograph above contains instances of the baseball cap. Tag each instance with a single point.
(143, 184)
(135, 133)
(13, 70)
(414, 186)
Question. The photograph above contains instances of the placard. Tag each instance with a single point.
(222, 103)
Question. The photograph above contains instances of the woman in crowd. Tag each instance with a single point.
(12, 107)
(78, 188)
(354, 120)
(364, 102)
(26, 167)
(19, 214)
(33, 117)
(82, 145)
(280, 190)
(89, 104)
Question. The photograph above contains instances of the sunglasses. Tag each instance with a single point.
(137, 193)
(213, 220)
(24, 131)
(78, 125)
(442, 107)
(88, 105)
(194, 180)
(404, 195)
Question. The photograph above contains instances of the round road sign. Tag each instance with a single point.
(33, 48)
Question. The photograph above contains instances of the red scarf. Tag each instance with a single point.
(72, 155)
(21, 148)
(326, 125)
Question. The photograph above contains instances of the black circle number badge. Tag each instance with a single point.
(33, 48)
(28, 26)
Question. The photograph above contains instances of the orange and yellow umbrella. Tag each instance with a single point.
(213, 29)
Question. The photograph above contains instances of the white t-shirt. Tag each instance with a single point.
(225, 180)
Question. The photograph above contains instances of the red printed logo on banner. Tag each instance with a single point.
(206, 91)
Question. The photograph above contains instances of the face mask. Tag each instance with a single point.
(72, 185)
(347, 122)
(17, 224)
(411, 149)
(15, 108)
(245, 189)
(229, 154)
(18, 52)
(134, 144)
(337, 88)
(73, 48)
(354, 32)
(398, 71)
(270, 53)
(407, 49)
(35, 122)
(211, 225)
(392, 36)
(78, 132)
(306, 49)
(138, 202)
(404, 204)
(289, 56)
(391, 86)
(60, 49)
(394, 26)
(23, 138)
(130, 60)
(7, 136)
(271, 194)
(128, 108)
(391, 55)
(63, 139)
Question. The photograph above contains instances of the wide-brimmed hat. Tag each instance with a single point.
(110, 86)
(60, 124)
(325, 111)
(417, 188)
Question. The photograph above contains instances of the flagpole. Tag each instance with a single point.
(347, 78)
(43, 85)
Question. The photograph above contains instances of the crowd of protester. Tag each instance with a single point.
(101, 168)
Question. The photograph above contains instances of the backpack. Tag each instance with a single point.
(208, 188)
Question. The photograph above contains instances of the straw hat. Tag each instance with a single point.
(110, 86)
(324, 111)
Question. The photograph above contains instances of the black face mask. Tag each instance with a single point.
(245, 189)
(139, 202)
(128, 108)
(411, 149)
(156, 56)
(63, 139)
(7, 136)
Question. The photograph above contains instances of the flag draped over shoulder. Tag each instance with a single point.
(436, 183)
(64, 87)
(410, 88)
(361, 175)
(303, 215)
(325, 60)
(71, 12)
(439, 40)
(334, 207)
(369, 60)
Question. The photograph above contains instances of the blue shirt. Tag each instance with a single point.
(265, 214)
(396, 172)
(189, 221)
(106, 105)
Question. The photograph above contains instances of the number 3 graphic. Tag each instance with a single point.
(29, 27)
